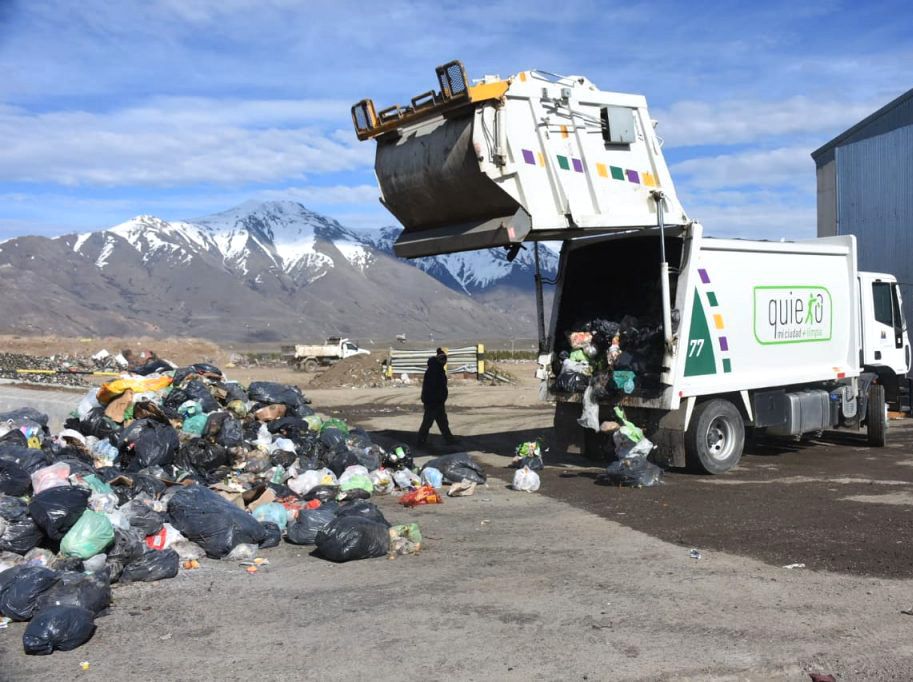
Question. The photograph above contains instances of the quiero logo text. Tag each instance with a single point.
(792, 314)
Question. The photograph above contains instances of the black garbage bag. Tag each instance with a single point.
(347, 538)
(15, 437)
(273, 535)
(153, 565)
(633, 472)
(456, 467)
(71, 564)
(20, 536)
(148, 443)
(224, 429)
(24, 414)
(142, 517)
(20, 592)
(80, 460)
(202, 455)
(97, 424)
(55, 510)
(60, 628)
(534, 463)
(199, 368)
(147, 486)
(333, 440)
(91, 591)
(233, 390)
(324, 493)
(197, 390)
(212, 521)
(129, 545)
(28, 458)
(341, 460)
(288, 427)
(273, 393)
(152, 366)
(359, 438)
(370, 457)
(283, 458)
(571, 382)
(12, 508)
(175, 399)
(309, 522)
(362, 509)
(14, 480)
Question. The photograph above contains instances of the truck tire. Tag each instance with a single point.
(311, 365)
(876, 423)
(715, 437)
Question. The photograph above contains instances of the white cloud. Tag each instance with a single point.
(763, 168)
(690, 123)
(171, 142)
(334, 195)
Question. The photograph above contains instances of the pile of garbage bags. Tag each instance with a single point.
(614, 358)
(630, 468)
(154, 472)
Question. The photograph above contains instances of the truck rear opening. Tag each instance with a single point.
(618, 281)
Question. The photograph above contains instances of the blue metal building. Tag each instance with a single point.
(865, 188)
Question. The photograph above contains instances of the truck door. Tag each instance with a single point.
(884, 328)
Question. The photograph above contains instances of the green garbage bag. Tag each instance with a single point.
(337, 424)
(194, 417)
(629, 430)
(97, 485)
(578, 356)
(357, 482)
(314, 422)
(92, 534)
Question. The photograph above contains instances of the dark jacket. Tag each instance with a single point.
(434, 385)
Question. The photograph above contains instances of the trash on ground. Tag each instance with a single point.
(155, 470)
(631, 468)
(791, 566)
(694, 554)
(526, 479)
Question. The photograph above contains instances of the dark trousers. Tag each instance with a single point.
(434, 413)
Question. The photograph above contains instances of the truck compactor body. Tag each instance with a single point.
(783, 337)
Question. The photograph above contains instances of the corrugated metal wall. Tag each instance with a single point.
(875, 203)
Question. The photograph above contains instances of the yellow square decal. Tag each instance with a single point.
(718, 321)
(602, 170)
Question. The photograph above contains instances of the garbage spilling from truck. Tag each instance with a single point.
(154, 472)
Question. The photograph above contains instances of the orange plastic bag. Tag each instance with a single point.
(424, 495)
(112, 389)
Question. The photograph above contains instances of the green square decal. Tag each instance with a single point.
(711, 299)
(562, 162)
(617, 173)
(727, 365)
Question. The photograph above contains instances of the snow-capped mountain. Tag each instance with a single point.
(473, 272)
(262, 271)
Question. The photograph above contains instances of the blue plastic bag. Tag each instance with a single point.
(432, 477)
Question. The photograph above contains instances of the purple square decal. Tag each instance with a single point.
(703, 273)
(724, 344)
(529, 157)
(578, 165)
(633, 176)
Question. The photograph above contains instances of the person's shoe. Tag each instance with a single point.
(452, 439)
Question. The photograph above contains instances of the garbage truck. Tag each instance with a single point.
(698, 340)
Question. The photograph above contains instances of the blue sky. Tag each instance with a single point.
(181, 108)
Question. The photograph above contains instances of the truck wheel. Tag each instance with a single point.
(311, 365)
(715, 437)
(876, 423)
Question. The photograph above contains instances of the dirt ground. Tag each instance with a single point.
(577, 581)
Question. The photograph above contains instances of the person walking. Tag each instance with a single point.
(434, 396)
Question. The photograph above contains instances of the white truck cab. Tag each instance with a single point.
(884, 331)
